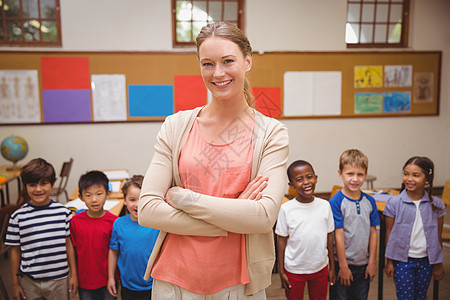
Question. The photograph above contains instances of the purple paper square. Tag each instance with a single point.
(65, 106)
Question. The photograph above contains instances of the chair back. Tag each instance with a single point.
(64, 175)
(336, 188)
(446, 193)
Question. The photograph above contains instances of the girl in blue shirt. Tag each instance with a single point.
(130, 248)
(414, 222)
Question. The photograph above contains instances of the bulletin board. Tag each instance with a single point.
(90, 87)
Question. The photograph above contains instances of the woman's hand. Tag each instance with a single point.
(254, 188)
(171, 194)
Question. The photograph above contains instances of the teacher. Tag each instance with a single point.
(215, 184)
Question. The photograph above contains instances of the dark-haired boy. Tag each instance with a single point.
(91, 233)
(38, 232)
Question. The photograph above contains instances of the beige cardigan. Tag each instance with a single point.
(204, 215)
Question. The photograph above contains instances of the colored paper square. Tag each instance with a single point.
(150, 100)
(268, 100)
(62, 106)
(60, 73)
(190, 92)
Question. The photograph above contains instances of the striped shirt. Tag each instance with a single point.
(41, 233)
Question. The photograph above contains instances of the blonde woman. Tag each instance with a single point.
(215, 184)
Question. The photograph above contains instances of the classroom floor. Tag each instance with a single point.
(275, 292)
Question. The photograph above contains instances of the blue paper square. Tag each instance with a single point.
(150, 100)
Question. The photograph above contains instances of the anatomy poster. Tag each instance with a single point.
(19, 96)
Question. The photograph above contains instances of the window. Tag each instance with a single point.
(30, 23)
(189, 16)
(377, 23)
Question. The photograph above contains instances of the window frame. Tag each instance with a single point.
(403, 43)
(240, 20)
(23, 42)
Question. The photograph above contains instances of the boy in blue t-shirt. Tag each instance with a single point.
(355, 217)
(130, 247)
(42, 251)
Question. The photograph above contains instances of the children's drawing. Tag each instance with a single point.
(397, 102)
(397, 76)
(423, 87)
(371, 103)
(368, 76)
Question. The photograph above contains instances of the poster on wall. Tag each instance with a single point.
(398, 76)
(109, 97)
(66, 94)
(397, 102)
(368, 76)
(19, 96)
(423, 87)
(368, 103)
(312, 93)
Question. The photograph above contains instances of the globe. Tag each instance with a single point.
(14, 148)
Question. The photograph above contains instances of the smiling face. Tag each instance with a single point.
(303, 180)
(95, 197)
(414, 180)
(223, 68)
(352, 177)
(131, 201)
(39, 193)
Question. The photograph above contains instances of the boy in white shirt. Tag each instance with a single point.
(304, 237)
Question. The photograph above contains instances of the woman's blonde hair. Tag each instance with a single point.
(229, 32)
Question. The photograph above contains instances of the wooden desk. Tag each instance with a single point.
(10, 176)
(115, 210)
(113, 195)
(113, 175)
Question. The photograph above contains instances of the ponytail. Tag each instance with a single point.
(427, 167)
(248, 93)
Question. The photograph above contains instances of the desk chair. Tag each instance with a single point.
(446, 193)
(5, 214)
(64, 178)
(2, 195)
(369, 181)
(336, 188)
(446, 231)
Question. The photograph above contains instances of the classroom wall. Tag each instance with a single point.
(288, 25)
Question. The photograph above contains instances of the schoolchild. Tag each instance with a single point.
(414, 222)
(130, 247)
(91, 234)
(355, 218)
(305, 237)
(38, 233)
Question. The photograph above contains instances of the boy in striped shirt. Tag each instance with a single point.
(38, 232)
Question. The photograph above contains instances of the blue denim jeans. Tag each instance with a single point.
(97, 294)
(358, 289)
(412, 278)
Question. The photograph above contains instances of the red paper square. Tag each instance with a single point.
(190, 92)
(59, 73)
(268, 100)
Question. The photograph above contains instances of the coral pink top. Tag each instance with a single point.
(206, 265)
